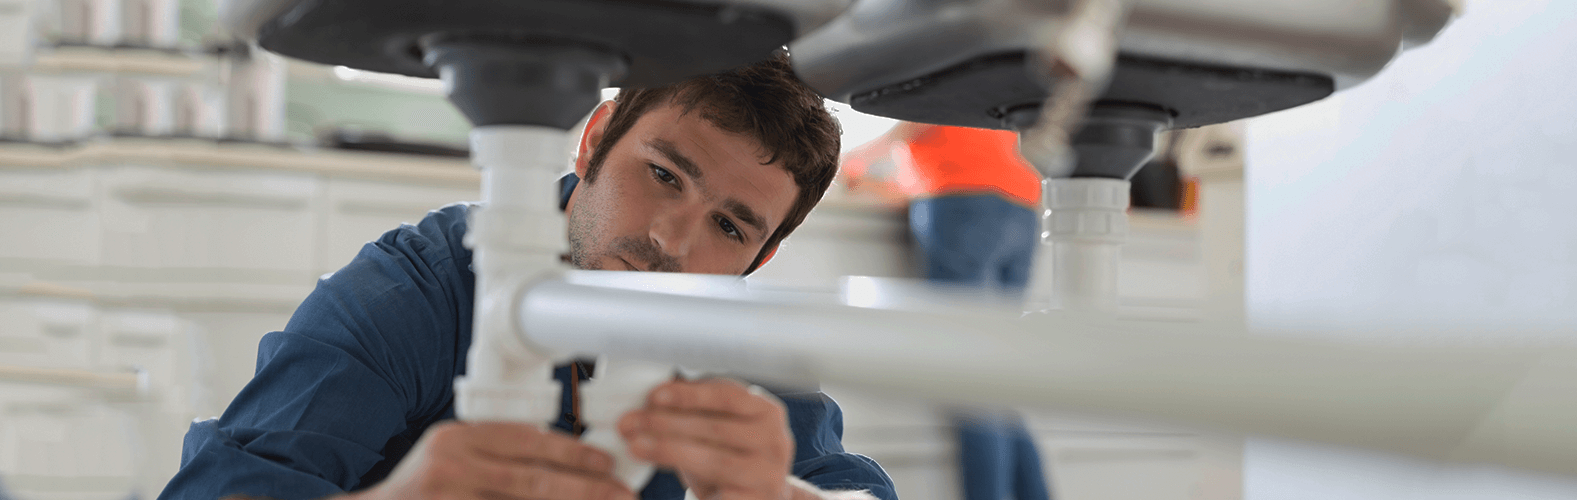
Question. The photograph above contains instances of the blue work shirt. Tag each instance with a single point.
(367, 364)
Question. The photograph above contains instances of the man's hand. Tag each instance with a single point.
(462, 461)
(726, 440)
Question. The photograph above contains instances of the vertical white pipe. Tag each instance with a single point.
(515, 236)
(1088, 225)
(1084, 223)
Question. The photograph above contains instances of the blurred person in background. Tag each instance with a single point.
(972, 202)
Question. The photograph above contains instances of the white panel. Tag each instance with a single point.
(62, 449)
(53, 211)
(47, 333)
(1440, 193)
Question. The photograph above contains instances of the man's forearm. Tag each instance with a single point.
(802, 490)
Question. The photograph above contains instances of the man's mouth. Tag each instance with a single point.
(628, 264)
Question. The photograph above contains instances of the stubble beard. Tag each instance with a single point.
(581, 228)
(588, 244)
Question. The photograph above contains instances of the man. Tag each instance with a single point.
(355, 395)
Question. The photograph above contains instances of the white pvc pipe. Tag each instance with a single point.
(1084, 222)
(1088, 223)
(618, 387)
(515, 235)
(1506, 402)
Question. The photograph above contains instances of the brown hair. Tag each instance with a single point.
(764, 101)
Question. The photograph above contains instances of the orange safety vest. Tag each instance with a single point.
(942, 160)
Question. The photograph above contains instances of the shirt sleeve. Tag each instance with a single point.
(364, 365)
(819, 458)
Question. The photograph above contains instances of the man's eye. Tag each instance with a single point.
(728, 228)
(663, 175)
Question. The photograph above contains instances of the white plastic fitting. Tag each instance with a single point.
(1084, 223)
(618, 387)
(516, 236)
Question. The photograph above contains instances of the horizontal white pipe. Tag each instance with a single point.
(1494, 402)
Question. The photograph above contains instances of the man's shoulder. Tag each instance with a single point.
(449, 220)
(457, 210)
(439, 235)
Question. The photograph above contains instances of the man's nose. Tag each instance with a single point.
(675, 230)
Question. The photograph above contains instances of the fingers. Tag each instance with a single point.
(543, 482)
(513, 461)
(739, 435)
(714, 396)
(720, 434)
(520, 442)
(698, 459)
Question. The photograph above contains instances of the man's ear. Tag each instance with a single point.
(596, 126)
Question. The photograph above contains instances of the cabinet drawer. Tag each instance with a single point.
(47, 333)
(50, 214)
(361, 211)
(172, 218)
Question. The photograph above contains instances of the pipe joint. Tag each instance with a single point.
(516, 231)
(1086, 209)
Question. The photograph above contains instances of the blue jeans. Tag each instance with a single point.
(975, 240)
(998, 460)
(985, 241)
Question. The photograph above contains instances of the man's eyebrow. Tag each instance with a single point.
(738, 209)
(668, 150)
(743, 212)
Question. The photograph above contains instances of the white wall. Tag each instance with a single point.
(1441, 192)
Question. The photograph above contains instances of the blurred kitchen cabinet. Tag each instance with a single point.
(158, 264)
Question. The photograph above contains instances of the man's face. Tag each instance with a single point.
(676, 194)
